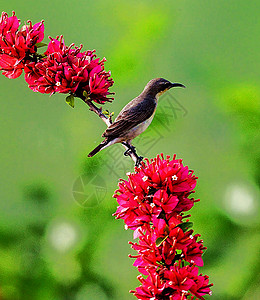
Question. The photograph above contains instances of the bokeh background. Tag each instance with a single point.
(58, 239)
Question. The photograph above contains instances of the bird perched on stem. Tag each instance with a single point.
(135, 117)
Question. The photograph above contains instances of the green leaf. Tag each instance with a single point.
(105, 112)
(70, 100)
(160, 240)
(39, 45)
(85, 94)
(185, 226)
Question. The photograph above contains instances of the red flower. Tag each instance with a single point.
(166, 202)
(68, 70)
(169, 173)
(11, 66)
(178, 283)
(161, 186)
(152, 202)
(160, 249)
(178, 278)
(17, 47)
(194, 251)
(99, 83)
(152, 287)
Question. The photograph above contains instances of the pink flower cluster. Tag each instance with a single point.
(152, 202)
(60, 69)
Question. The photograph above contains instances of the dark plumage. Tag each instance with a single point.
(136, 116)
(134, 113)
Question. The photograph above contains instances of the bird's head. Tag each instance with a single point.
(158, 86)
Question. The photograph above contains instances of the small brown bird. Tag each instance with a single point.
(136, 116)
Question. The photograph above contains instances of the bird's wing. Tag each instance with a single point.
(132, 114)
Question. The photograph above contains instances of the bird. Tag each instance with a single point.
(135, 117)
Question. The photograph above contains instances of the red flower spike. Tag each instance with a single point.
(60, 69)
(152, 202)
(68, 70)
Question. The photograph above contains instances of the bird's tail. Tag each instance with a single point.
(98, 148)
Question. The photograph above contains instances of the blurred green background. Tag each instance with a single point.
(58, 239)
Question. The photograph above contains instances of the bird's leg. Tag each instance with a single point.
(130, 149)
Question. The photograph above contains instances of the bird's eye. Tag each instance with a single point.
(165, 83)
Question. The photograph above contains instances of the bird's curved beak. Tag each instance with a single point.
(174, 84)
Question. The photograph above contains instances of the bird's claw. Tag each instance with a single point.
(127, 152)
(131, 150)
(138, 161)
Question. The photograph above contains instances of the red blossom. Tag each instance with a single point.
(60, 69)
(152, 202)
(159, 249)
(68, 70)
(193, 253)
(152, 287)
(165, 201)
(159, 186)
(17, 47)
(176, 283)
